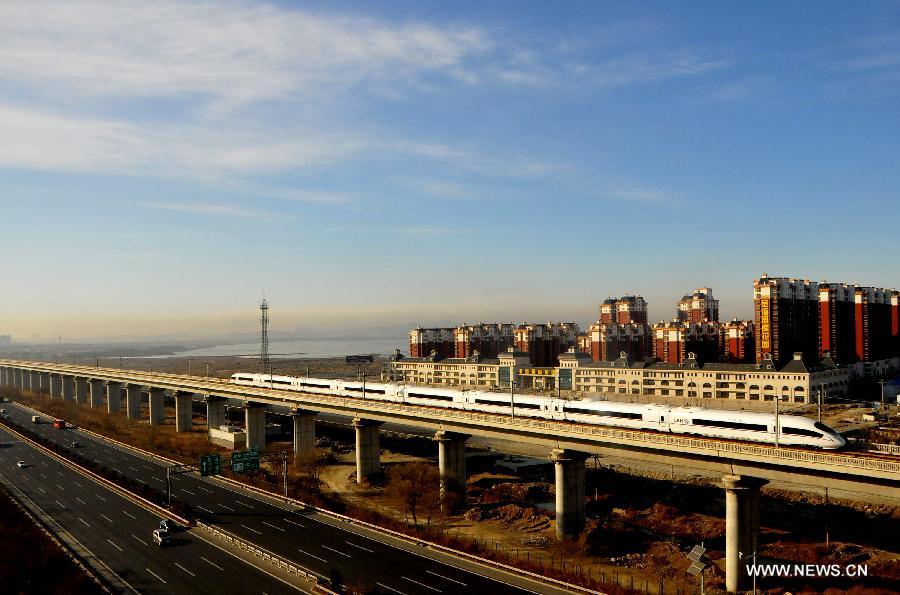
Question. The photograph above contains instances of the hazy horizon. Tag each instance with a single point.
(164, 165)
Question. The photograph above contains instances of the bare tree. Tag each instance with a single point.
(415, 489)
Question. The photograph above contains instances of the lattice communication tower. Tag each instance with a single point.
(264, 335)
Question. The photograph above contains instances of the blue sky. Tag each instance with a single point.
(387, 163)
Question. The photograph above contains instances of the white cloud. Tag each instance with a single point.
(640, 194)
(228, 53)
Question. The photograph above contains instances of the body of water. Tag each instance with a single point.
(306, 348)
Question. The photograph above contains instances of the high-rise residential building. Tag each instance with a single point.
(629, 309)
(545, 342)
(872, 313)
(837, 322)
(699, 306)
(424, 341)
(487, 339)
(738, 343)
(542, 342)
(673, 341)
(786, 314)
(610, 340)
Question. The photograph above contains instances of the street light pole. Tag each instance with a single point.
(777, 400)
(819, 395)
(881, 382)
(189, 367)
(207, 371)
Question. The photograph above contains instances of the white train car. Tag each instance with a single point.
(730, 425)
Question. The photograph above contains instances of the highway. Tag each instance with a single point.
(116, 531)
(345, 553)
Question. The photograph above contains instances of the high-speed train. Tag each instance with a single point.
(793, 430)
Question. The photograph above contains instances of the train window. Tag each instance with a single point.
(487, 402)
(433, 397)
(619, 414)
(730, 425)
(315, 385)
(525, 405)
(800, 432)
(820, 426)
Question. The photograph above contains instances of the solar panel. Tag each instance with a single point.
(696, 553)
(696, 568)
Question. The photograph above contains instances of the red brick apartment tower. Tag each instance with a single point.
(609, 340)
(673, 341)
(787, 318)
(700, 306)
(630, 309)
(873, 324)
(608, 311)
(544, 342)
(837, 327)
(738, 343)
(422, 341)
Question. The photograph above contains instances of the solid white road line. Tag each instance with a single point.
(359, 546)
(282, 529)
(213, 564)
(390, 588)
(251, 529)
(115, 546)
(406, 578)
(156, 575)
(129, 514)
(345, 554)
(312, 556)
(447, 578)
(183, 568)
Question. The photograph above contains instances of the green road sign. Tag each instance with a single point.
(211, 465)
(247, 460)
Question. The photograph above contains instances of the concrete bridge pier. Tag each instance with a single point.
(45, 382)
(451, 460)
(255, 425)
(95, 393)
(68, 388)
(215, 412)
(80, 389)
(741, 527)
(368, 448)
(113, 397)
(19, 379)
(157, 407)
(304, 434)
(570, 497)
(184, 410)
(55, 386)
(3, 376)
(133, 401)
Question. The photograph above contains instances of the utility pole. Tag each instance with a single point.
(189, 367)
(881, 382)
(777, 400)
(364, 385)
(819, 395)
(512, 396)
(207, 371)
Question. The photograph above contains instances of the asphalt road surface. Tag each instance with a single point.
(344, 553)
(119, 532)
